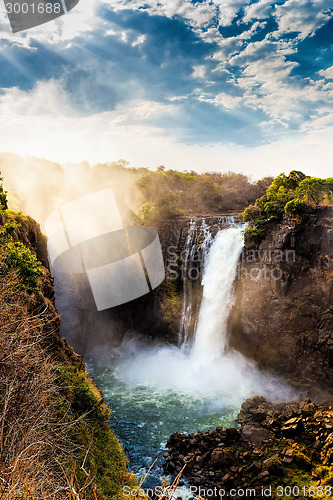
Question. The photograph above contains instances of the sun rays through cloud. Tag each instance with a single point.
(222, 84)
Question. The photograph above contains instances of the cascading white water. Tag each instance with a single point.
(220, 271)
(157, 390)
(197, 245)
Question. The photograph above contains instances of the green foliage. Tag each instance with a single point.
(172, 303)
(312, 189)
(18, 257)
(98, 448)
(295, 207)
(254, 233)
(287, 194)
(251, 213)
(83, 395)
(15, 255)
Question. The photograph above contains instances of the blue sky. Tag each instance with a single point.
(209, 85)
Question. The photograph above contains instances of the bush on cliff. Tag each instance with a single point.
(19, 258)
(289, 194)
(295, 207)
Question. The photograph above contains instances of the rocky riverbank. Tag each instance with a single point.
(275, 445)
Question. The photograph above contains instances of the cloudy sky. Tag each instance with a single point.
(191, 84)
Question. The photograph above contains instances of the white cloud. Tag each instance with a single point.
(198, 15)
(45, 100)
(266, 82)
(199, 71)
(39, 123)
(305, 16)
(327, 73)
(226, 100)
(258, 10)
(228, 10)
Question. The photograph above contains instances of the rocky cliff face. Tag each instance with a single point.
(283, 311)
(154, 317)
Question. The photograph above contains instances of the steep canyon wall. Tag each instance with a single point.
(283, 311)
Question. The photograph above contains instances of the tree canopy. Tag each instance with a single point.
(291, 194)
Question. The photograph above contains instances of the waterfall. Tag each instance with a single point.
(164, 388)
(220, 271)
(194, 257)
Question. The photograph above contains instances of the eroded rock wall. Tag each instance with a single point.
(283, 311)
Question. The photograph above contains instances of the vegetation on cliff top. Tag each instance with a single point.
(293, 195)
(55, 440)
(15, 255)
(143, 196)
(167, 194)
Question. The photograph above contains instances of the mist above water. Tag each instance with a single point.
(208, 368)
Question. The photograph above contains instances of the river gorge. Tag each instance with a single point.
(192, 377)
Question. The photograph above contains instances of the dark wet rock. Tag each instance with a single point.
(255, 435)
(275, 444)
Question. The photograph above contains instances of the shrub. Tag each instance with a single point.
(295, 207)
(18, 257)
(287, 194)
(3, 197)
(251, 213)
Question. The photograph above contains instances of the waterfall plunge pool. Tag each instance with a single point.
(155, 391)
(150, 398)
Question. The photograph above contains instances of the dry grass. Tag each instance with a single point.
(35, 449)
(165, 491)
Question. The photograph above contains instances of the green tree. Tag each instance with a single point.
(287, 194)
(295, 207)
(312, 189)
(16, 256)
